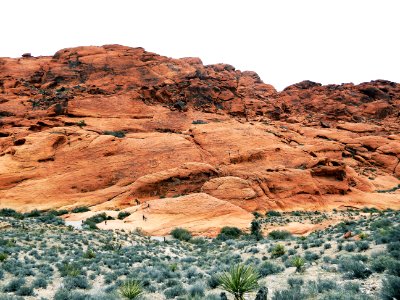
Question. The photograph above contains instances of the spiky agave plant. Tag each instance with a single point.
(239, 280)
(130, 289)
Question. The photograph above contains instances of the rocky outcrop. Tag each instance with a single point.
(113, 126)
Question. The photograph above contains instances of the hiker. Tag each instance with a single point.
(144, 218)
(105, 222)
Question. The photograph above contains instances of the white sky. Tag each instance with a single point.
(284, 41)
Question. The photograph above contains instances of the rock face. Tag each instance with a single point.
(113, 126)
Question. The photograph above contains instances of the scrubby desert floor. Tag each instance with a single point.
(356, 258)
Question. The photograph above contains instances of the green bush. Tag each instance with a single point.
(289, 294)
(80, 209)
(278, 250)
(14, 285)
(380, 264)
(181, 234)
(228, 233)
(269, 268)
(295, 281)
(279, 234)
(354, 269)
(255, 229)
(273, 213)
(8, 212)
(76, 282)
(3, 256)
(175, 291)
(119, 134)
(390, 288)
(123, 214)
(25, 291)
(394, 268)
(89, 254)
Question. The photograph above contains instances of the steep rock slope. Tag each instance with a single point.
(113, 127)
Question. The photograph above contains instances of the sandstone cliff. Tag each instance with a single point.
(107, 126)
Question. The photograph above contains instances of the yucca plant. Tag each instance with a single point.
(298, 262)
(130, 289)
(239, 280)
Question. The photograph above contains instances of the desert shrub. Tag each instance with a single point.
(273, 213)
(8, 212)
(64, 294)
(213, 281)
(32, 214)
(394, 268)
(181, 234)
(69, 269)
(175, 291)
(353, 287)
(354, 269)
(324, 285)
(381, 223)
(394, 249)
(192, 273)
(80, 209)
(390, 288)
(295, 281)
(279, 234)
(123, 214)
(269, 268)
(76, 282)
(310, 256)
(278, 250)
(14, 285)
(40, 282)
(89, 254)
(196, 290)
(327, 246)
(298, 262)
(256, 214)
(289, 294)
(118, 134)
(255, 229)
(362, 245)
(97, 218)
(381, 263)
(130, 289)
(58, 212)
(239, 280)
(350, 247)
(198, 241)
(25, 291)
(227, 233)
(3, 256)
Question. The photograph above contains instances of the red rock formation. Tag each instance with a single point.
(103, 126)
